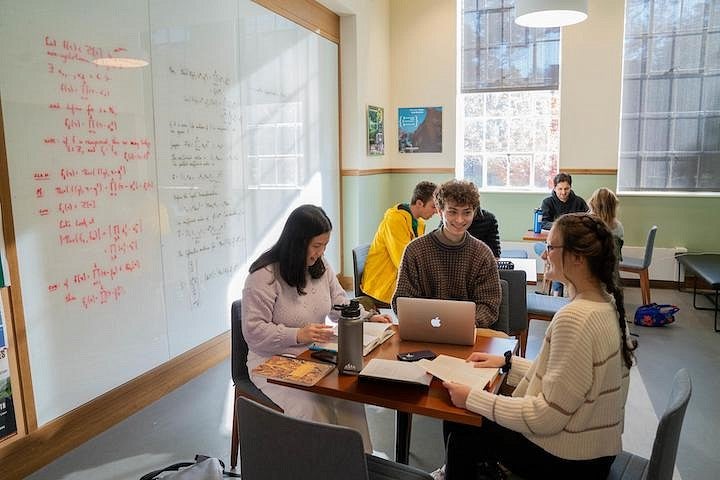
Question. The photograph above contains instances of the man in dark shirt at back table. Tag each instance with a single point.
(484, 227)
(562, 200)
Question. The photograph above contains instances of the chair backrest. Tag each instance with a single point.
(359, 255)
(503, 321)
(239, 352)
(517, 320)
(274, 446)
(649, 246)
(662, 459)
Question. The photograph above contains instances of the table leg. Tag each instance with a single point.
(403, 428)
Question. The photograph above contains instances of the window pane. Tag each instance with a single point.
(629, 168)
(473, 169)
(637, 17)
(687, 94)
(684, 172)
(631, 96)
(514, 56)
(692, 15)
(656, 134)
(712, 134)
(709, 171)
(497, 171)
(665, 14)
(496, 135)
(511, 108)
(658, 96)
(688, 50)
(655, 173)
(712, 51)
(629, 136)
(661, 49)
(711, 94)
(546, 166)
(474, 135)
(634, 54)
(516, 135)
(520, 170)
(686, 134)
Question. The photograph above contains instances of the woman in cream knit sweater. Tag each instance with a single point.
(565, 416)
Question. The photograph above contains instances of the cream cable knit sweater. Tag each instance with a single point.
(571, 400)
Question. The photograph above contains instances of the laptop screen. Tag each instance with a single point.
(436, 320)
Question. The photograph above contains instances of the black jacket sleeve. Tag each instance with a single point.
(484, 227)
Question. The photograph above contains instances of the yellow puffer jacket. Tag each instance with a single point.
(383, 260)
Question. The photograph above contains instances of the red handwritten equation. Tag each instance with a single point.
(78, 193)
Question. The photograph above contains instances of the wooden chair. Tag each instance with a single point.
(641, 265)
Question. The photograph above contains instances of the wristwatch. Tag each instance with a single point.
(508, 362)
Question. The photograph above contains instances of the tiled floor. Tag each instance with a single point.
(196, 418)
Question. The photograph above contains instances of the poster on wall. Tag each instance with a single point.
(376, 130)
(420, 130)
(7, 412)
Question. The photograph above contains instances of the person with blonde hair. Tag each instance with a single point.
(603, 203)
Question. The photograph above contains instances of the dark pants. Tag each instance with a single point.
(468, 447)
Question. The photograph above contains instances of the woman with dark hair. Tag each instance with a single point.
(287, 296)
(565, 416)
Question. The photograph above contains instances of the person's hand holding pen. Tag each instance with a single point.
(315, 332)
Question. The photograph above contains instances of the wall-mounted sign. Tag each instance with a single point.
(420, 130)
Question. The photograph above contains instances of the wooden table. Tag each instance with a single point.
(408, 399)
(531, 236)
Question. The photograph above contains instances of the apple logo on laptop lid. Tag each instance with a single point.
(436, 322)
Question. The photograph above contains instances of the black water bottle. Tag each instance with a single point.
(350, 338)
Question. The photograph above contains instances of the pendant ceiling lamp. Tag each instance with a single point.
(122, 58)
(549, 13)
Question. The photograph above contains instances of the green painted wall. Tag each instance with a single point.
(691, 222)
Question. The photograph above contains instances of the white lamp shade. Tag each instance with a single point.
(549, 13)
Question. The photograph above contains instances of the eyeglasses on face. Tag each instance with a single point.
(549, 248)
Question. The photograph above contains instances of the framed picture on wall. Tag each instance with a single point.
(420, 130)
(376, 130)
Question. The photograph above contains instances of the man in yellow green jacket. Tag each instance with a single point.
(400, 225)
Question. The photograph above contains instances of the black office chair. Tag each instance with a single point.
(661, 464)
(240, 375)
(278, 447)
(515, 321)
(359, 255)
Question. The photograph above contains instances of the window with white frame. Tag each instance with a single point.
(509, 98)
(670, 132)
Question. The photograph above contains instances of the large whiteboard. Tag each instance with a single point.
(141, 195)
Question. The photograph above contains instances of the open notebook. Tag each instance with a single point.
(373, 335)
(452, 369)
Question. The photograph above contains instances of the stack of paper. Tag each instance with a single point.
(396, 371)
